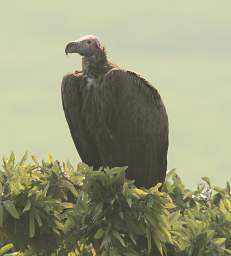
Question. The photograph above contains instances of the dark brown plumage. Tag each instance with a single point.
(116, 118)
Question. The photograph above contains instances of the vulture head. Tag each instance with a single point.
(86, 46)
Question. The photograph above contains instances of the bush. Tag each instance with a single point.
(52, 208)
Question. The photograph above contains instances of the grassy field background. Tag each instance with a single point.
(182, 47)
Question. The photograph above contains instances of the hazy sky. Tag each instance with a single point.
(183, 47)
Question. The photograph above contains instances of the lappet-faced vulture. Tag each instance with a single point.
(115, 116)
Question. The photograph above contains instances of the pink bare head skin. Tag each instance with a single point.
(86, 46)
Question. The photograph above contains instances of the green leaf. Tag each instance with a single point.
(31, 225)
(1, 189)
(27, 206)
(99, 233)
(207, 180)
(132, 238)
(68, 205)
(218, 189)
(149, 239)
(38, 219)
(129, 201)
(6, 248)
(50, 158)
(118, 236)
(1, 215)
(10, 207)
(227, 203)
(170, 173)
(159, 246)
(24, 158)
(174, 217)
(219, 241)
(187, 195)
(67, 184)
(228, 251)
(35, 159)
(138, 193)
(11, 159)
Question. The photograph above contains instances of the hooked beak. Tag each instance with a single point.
(72, 47)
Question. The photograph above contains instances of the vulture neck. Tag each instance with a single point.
(96, 65)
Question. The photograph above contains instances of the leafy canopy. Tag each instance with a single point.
(51, 208)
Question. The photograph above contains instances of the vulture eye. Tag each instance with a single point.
(88, 42)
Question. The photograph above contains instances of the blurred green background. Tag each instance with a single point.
(183, 47)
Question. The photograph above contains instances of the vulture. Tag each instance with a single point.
(115, 116)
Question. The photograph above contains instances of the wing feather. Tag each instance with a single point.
(72, 102)
(137, 120)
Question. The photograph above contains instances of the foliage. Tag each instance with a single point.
(52, 208)
(201, 221)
